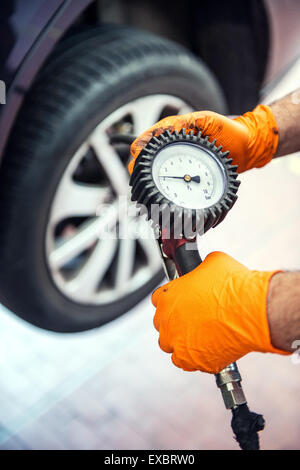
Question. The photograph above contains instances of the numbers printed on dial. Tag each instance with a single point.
(188, 175)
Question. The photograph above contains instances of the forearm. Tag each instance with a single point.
(287, 115)
(283, 307)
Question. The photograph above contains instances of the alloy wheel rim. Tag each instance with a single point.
(85, 267)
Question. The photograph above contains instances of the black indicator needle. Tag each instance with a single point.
(176, 177)
(196, 179)
(186, 178)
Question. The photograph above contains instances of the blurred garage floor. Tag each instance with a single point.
(114, 389)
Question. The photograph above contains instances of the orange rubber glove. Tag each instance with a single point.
(251, 139)
(214, 315)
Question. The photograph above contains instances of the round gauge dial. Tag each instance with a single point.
(186, 176)
(189, 176)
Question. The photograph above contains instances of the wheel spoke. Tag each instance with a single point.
(140, 231)
(110, 161)
(77, 199)
(147, 111)
(84, 238)
(151, 252)
(93, 271)
(125, 262)
(185, 108)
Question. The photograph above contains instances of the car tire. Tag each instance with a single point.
(78, 88)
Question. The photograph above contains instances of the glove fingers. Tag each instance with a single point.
(164, 344)
(181, 363)
(163, 339)
(170, 123)
(156, 295)
(156, 321)
(160, 320)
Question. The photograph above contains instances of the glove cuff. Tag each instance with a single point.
(263, 343)
(263, 135)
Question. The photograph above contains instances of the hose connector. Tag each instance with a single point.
(229, 382)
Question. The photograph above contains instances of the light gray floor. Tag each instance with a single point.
(114, 389)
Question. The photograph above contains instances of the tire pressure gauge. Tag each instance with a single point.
(186, 175)
(191, 182)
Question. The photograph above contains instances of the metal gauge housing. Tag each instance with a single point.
(188, 177)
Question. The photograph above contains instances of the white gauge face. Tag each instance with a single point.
(189, 176)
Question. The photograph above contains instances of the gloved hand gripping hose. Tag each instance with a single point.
(245, 423)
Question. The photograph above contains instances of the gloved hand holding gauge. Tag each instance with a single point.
(217, 311)
(252, 139)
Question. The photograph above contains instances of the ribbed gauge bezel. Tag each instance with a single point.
(145, 191)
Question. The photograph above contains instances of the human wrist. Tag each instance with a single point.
(283, 310)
